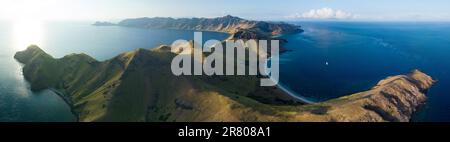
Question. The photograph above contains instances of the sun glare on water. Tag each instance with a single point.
(27, 32)
(27, 18)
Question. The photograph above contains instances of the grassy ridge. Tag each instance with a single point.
(139, 86)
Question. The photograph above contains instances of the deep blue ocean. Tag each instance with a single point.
(328, 60)
(333, 59)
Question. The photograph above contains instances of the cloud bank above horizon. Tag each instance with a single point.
(324, 13)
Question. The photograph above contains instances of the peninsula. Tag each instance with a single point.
(139, 86)
(238, 27)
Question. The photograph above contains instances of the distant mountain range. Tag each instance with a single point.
(238, 27)
(98, 23)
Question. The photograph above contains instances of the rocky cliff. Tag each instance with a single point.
(139, 86)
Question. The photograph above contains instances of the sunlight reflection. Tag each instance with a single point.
(27, 32)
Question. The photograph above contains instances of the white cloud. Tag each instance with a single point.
(323, 13)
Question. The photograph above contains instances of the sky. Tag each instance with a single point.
(363, 10)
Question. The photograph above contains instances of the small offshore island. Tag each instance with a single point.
(139, 86)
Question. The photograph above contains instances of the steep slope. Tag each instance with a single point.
(394, 99)
(139, 86)
(128, 86)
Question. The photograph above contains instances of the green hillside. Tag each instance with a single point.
(139, 86)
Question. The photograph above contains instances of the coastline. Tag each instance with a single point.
(68, 102)
(374, 105)
(295, 96)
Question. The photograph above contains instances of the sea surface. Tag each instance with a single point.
(19, 104)
(333, 59)
(328, 60)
